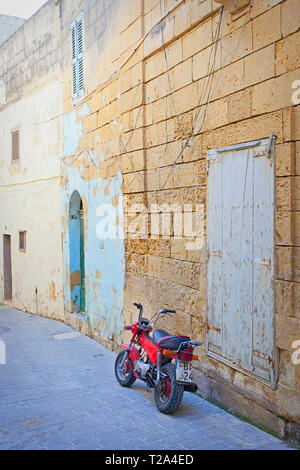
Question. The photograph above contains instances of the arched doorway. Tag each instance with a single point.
(76, 247)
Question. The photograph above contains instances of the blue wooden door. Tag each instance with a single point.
(240, 243)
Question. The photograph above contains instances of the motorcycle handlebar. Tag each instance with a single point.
(140, 307)
(165, 310)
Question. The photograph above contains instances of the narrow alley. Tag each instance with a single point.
(58, 391)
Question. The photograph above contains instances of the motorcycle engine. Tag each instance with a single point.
(141, 368)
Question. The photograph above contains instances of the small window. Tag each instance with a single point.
(15, 147)
(77, 56)
(22, 241)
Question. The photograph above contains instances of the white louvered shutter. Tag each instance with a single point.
(74, 60)
(80, 53)
(77, 55)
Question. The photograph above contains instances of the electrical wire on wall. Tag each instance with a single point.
(209, 74)
(206, 89)
(172, 92)
(202, 95)
(24, 185)
(140, 108)
(138, 172)
(206, 94)
(117, 71)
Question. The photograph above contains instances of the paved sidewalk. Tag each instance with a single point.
(62, 394)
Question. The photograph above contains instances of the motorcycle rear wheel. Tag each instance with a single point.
(124, 375)
(168, 395)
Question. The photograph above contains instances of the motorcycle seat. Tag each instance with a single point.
(164, 340)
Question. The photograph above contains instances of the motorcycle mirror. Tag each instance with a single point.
(140, 307)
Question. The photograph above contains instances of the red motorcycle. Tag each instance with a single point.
(149, 358)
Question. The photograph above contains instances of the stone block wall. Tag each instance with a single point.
(165, 82)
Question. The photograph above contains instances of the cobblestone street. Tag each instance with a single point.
(59, 392)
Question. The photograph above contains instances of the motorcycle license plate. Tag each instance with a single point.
(184, 371)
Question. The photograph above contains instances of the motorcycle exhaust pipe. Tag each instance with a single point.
(190, 388)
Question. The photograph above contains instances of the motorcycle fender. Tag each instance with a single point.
(134, 353)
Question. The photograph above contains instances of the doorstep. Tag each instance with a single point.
(79, 322)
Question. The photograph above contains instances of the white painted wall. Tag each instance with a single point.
(30, 200)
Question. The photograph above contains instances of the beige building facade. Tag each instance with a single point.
(178, 125)
(30, 152)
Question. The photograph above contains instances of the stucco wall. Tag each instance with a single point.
(8, 25)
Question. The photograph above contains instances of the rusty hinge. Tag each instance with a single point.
(263, 356)
(271, 362)
(215, 253)
(267, 151)
(265, 262)
(261, 153)
(260, 354)
(211, 327)
(271, 145)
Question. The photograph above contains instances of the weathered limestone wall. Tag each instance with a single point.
(91, 129)
(31, 101)
(123, 143)
(251, 98)
(137, 120)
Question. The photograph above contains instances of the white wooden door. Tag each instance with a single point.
(240, 242)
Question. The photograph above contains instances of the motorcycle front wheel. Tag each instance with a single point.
(168, 394)
(124, 374)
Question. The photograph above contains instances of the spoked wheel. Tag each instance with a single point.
(124, 374)
(168, 394)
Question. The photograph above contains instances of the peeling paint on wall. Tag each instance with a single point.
(73, 131)
(104, 260)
